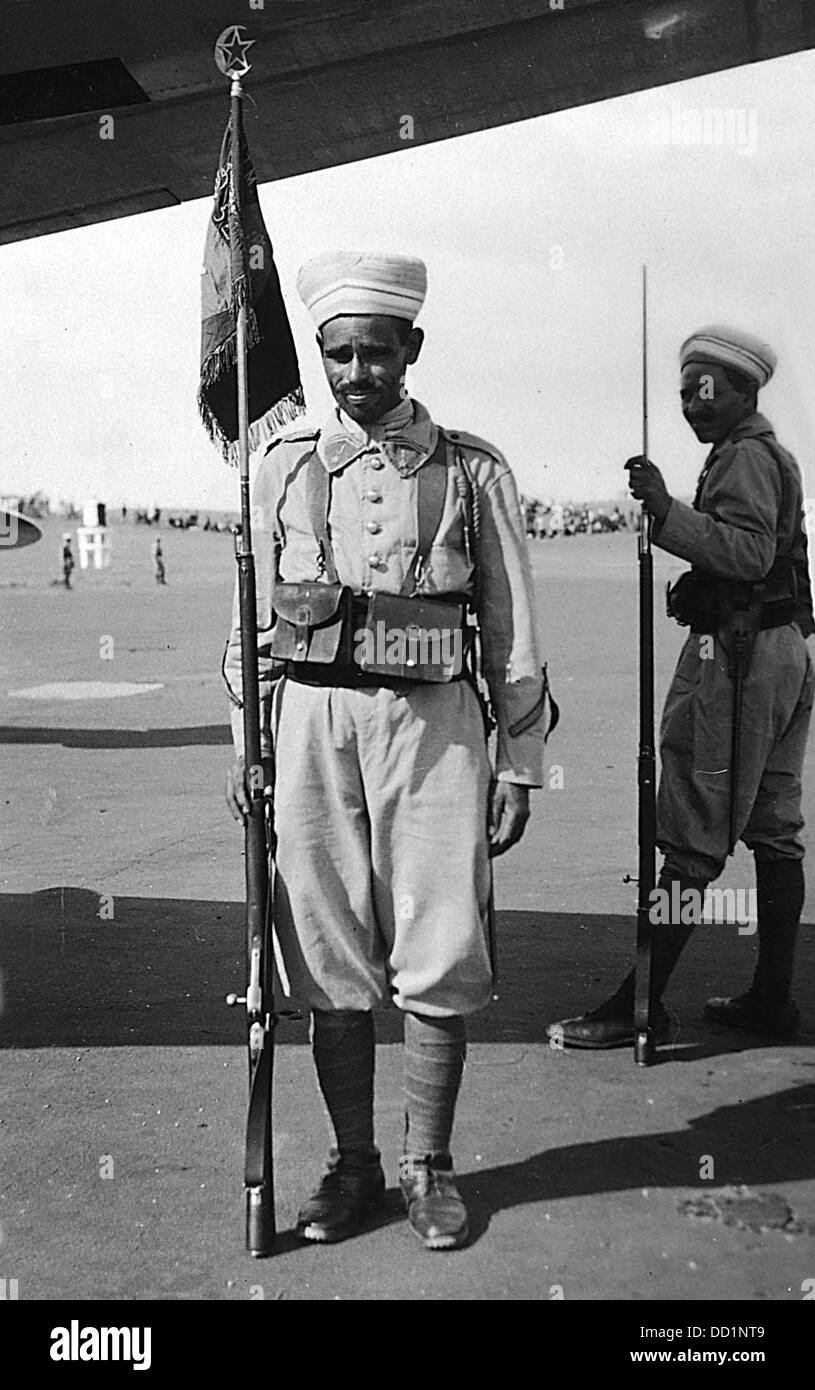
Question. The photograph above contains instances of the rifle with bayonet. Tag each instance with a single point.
(646, 761)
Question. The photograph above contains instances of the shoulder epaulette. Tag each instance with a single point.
(297, 437)
(473, 441)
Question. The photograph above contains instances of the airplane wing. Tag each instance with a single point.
(110, 107)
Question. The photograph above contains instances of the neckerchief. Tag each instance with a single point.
(406, 436)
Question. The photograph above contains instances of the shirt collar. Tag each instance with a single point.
(749, 428)
(406, 436)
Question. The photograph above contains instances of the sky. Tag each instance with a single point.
(534, 235)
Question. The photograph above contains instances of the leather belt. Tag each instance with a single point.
(352, 678)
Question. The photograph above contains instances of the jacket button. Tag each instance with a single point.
(373, 526)
(374, 496)
(374, 561)
(377, 463)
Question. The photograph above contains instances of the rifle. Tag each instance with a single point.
(259, 836)
(646, 762)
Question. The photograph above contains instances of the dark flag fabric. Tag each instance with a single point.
(239, 269)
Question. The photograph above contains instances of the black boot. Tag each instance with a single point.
(612, 1023)
(353, 1186)
(767, 1008)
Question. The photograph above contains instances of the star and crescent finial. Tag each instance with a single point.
(230, 51)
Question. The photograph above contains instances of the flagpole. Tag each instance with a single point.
(236, 97)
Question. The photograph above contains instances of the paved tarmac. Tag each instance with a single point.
(122, 1080)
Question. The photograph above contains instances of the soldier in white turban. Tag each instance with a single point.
(748, 603)
(386, 806)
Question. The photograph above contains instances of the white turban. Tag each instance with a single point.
(362, 282)
(731, 347)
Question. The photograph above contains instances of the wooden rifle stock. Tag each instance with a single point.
(646, 810)
(260, 1015)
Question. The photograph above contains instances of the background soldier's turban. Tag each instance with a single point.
(723, 346)
(362, 282)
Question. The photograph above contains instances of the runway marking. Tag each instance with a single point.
(84, 690)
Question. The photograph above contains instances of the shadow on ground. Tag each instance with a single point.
(189, 737)
(769, 1139)
(80, 968)
(156, 973)
(759, 1142)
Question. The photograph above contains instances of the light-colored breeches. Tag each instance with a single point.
(382, 873)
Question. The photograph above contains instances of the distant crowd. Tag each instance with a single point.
(545, 520)
(189, 521)
(38, 506)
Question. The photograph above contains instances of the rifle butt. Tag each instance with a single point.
(260, 1222)
(644, 1048)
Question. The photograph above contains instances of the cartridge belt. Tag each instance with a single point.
(327, 634)
(706, 604)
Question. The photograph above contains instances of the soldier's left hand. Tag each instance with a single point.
(509, 812)
(648, 486)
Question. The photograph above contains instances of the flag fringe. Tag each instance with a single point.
(225, 356)
(263, 430)
(267, 426)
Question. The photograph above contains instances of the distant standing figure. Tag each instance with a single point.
(158, 560)
(67, 559)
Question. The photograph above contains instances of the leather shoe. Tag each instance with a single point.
(606, 1027)
(435, 1208)
(350, 1189)
(757, 1015)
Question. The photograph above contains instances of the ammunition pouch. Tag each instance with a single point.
(419, 638)
(313, 623)
(706, 604)
(692, 601)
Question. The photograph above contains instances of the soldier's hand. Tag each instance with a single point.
(238, 783)
(648, 486)
(509, 812)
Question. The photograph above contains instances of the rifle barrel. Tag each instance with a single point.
(646, 762)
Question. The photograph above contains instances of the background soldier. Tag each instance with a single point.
(385, 809)
(744, 668)
(158, 561)
(67, 560)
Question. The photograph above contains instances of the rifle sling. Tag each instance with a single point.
(257, 1170)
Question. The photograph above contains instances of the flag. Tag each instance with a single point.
(239, 269)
